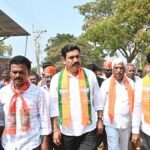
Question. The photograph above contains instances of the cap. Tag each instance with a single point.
(107, 65)
(51, 70)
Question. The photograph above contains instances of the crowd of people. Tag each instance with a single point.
(77, 108)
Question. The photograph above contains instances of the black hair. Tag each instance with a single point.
(148, 57)
(69, 48)
(92, 67)
(139, 70)
(20, 60)
(46, 64)
(33, 73)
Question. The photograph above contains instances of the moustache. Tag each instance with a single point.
(76, 63)
(18, 79)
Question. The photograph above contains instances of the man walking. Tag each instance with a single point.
(26, 115)
(74, 93)
(117, 98)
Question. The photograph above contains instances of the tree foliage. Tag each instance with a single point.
(118, 25)
(5, 50)
(54, 45)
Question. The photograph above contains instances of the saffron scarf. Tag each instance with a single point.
(64, 98)
(112, 96)
(10, 127)
(146, 98)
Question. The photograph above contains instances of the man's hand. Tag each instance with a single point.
(135, 138)
(100, 127)
(57, 137)
(45, 143)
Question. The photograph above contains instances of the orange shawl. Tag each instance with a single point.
(112, 96)
(64, 98)
(10, 127)
(146, 98)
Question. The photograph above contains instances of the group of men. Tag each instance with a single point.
(70, 109)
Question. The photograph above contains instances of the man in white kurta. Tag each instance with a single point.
(138, 122)
(76, 136)
(118, 131)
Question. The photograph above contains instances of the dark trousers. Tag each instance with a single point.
(102, 138)
(146, 140)
(37, 148)
(86, 141)
(1, 148)
(53, 146)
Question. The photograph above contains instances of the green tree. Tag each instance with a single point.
(5, 50)
(54, 45)
(121, 27)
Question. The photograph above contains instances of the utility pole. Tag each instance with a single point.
(37, 35)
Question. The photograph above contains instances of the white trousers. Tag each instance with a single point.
(117, 139)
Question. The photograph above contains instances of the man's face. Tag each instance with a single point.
(6, 75)
(73, 61)
(34, 79)
(118, 71)
(108, 72)
(19, 74)
(48, 78)
(130, 72)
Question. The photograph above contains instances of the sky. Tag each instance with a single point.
(54, 16)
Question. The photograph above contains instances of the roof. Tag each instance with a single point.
(9, 27)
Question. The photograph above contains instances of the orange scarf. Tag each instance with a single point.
(146, 98)
(64, 98)
(10, 127)
(112, 97)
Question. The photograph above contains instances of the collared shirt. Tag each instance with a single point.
(76, 128)
(47, 92)
(138, 117)
(122, 116)
(39, 118)
(137, 78)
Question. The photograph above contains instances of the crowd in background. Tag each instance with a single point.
(76, 108)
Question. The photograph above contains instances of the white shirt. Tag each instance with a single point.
(76, 128)
(39, 119)
(137, 78)
(122, 116)
(138, 118)
(47, 92)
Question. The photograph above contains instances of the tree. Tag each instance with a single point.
(122, 27)
(5, 50)
(55, 44)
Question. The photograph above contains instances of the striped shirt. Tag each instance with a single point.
(39, 118)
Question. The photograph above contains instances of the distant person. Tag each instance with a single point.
(74, 94)
(94, 68)
(139, 73)
(107, 68)
(5, 78)
(131, 72)
(27, 124)
(34, 78)
(49, 72)
(45, 64)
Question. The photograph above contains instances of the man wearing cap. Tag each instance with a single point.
(48, 72)
(107, 67)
